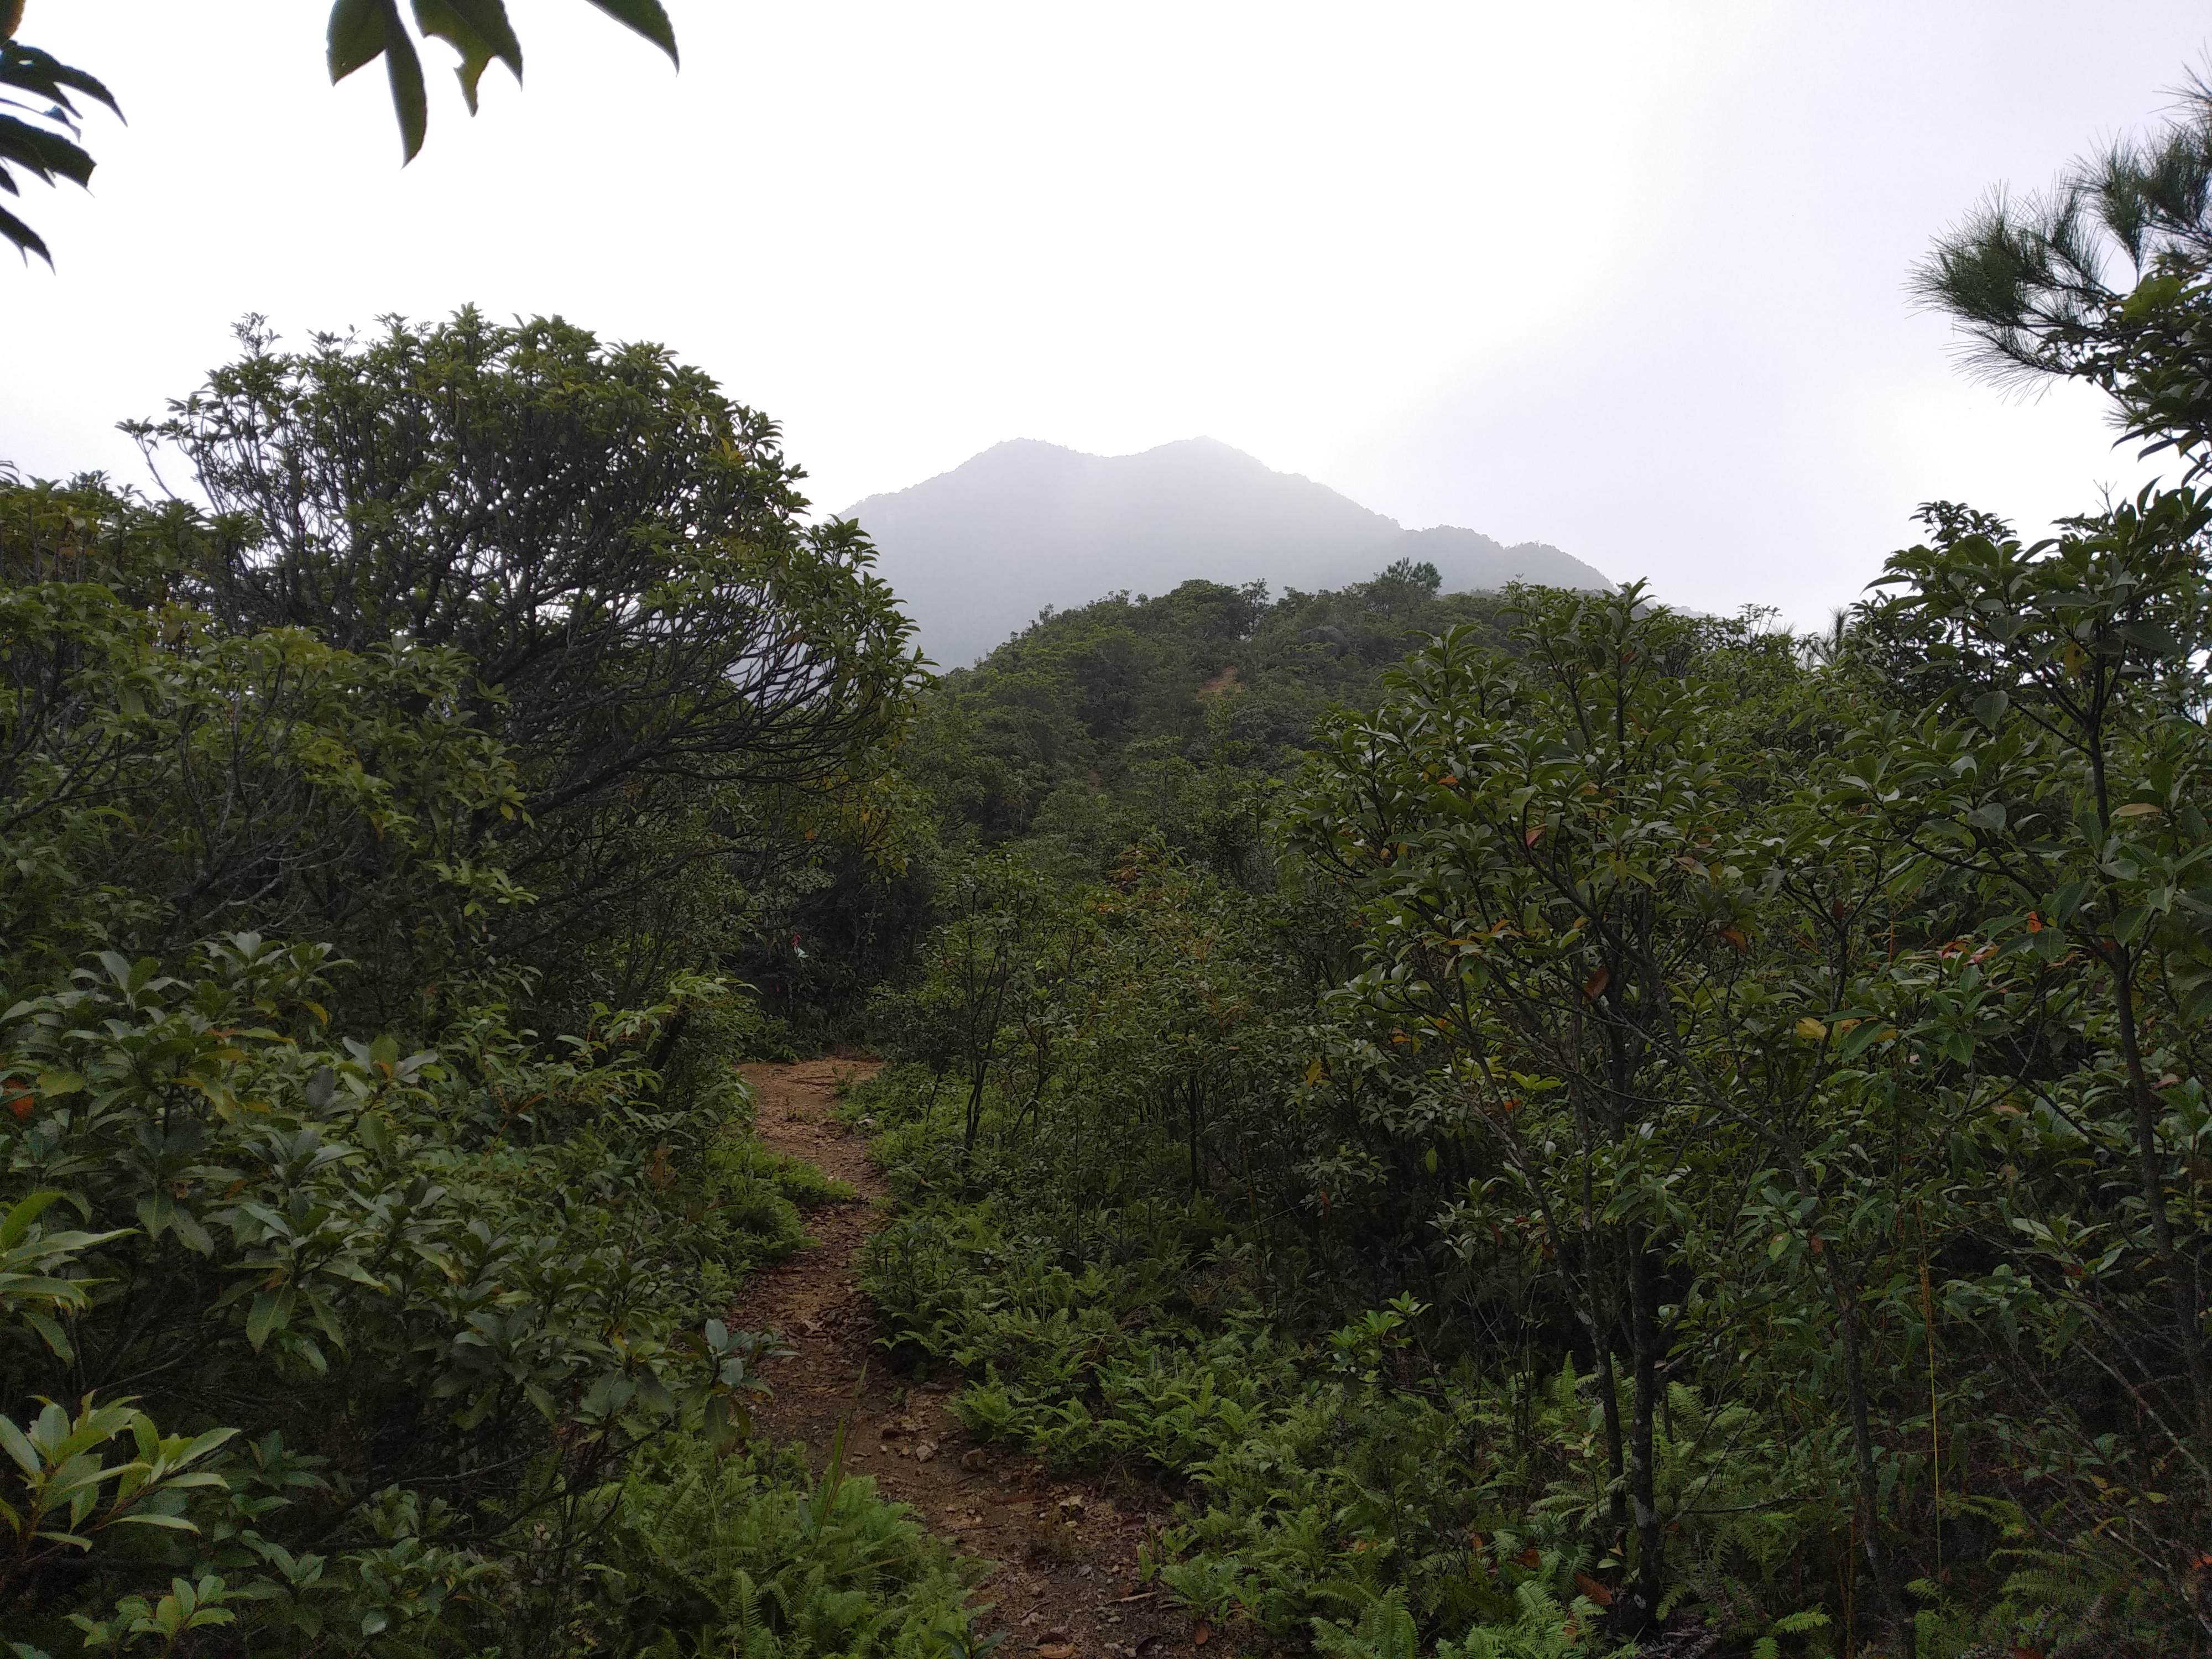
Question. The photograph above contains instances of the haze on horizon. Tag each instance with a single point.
(1628, 280)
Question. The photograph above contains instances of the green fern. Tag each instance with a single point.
(1385, 1631)
(1543, 1628)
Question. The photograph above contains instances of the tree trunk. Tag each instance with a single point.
(1848, 1330)
(1608, 1389)
(975, 1121)
(1190, 1113)
(1643, 1453)
(2180, 1290)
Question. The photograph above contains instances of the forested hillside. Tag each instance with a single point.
(1174, 715)
(1529, 1124)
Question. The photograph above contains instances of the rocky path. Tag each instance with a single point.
(1063, 1584)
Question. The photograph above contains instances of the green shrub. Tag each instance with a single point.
(744, 1555)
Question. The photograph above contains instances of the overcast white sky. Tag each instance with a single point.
(1629, 279)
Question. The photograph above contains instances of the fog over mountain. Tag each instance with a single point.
(976, 553)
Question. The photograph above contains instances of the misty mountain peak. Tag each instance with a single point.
(975, 553)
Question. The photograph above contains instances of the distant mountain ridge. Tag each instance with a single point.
(975, 554)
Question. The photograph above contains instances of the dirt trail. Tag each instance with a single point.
(1065, 1584)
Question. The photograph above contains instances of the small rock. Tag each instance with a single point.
(974, 1458)
(923, 1450)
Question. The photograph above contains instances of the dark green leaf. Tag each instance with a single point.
(647, 18)
(2066, 901)
(358, 32)
(79, 80)
(479, 31)
(408, 101)
(47, 154)
(1862, 1036)
(27, 241)
(33, 70)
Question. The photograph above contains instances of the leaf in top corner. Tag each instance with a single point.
(27, 241)
(358, 32)
(648, 19)
(479, 31)
(361, 31)
(408, 102)
(77, 80)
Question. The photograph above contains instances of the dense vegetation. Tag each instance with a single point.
(376, 1171)
(1544, 1123)
(1656, 1126)
(1740, 1080)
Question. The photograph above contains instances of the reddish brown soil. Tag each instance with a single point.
(1062, 1578)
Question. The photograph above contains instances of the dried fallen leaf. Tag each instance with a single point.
(1593, 986)
(1056, 1650)
(1596, 1592)
(1200, 1637)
